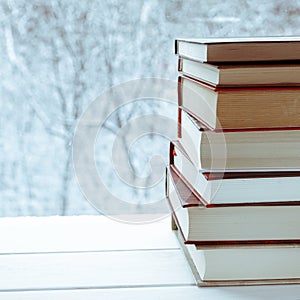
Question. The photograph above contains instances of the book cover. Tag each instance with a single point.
(241, 49)
(227, 75)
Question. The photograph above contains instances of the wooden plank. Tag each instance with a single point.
(166, 293)
(81, 233)
(94, 270)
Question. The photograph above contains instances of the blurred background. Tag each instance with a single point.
(57, 56)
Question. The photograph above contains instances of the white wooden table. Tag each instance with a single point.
(92, 257)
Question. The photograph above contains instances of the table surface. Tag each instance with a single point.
(93, 257)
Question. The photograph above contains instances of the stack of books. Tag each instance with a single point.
(233, 183)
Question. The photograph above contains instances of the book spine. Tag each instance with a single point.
(166, 183)
(176, 47)
(180, 62)
(179, 90)
(171, 153)
(179, 122)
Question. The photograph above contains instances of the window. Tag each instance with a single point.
(58, 57)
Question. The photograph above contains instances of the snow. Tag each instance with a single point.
(58, 56)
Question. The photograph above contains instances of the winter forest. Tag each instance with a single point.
(58, 56)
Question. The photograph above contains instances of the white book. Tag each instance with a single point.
(272, 150)
(236, 187)
(243, 264)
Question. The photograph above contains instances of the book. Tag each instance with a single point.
(239, 188)
(257, 264)
(240, 108)
(215, 225)
(232, 75)
(239, 49)
(239, 150)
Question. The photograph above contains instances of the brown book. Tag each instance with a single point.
(236, 187)
(248, 224)
(253, 150)
(232, 75)
(247, 49)
(240, 108)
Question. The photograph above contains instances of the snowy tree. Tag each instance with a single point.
(57, 56)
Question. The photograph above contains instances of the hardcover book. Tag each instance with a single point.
(255, 150)
(231, 224)
(240, 108)
(237, 187)
(234, 75)
(236, 49)
(231, 265)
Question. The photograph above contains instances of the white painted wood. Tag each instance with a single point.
(166, 293)
(96, 269)
(118, 272)
(81, 233)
